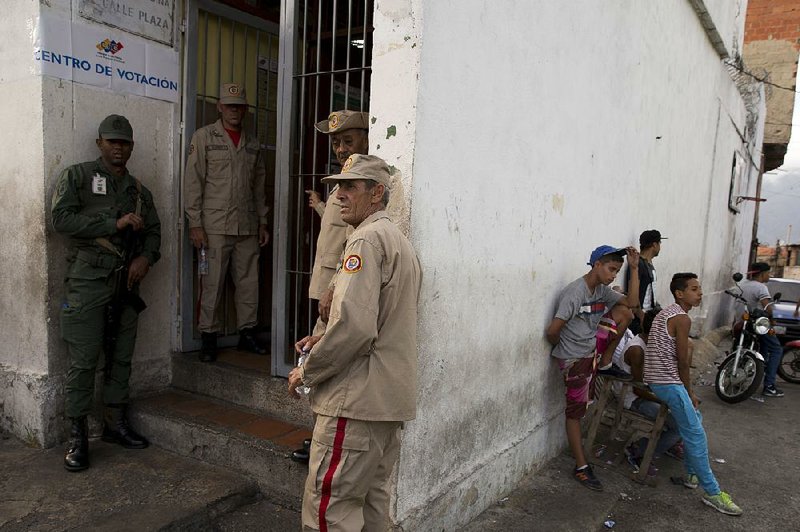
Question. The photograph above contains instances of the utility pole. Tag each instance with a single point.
(754, 238)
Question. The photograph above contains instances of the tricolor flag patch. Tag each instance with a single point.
(352, 264)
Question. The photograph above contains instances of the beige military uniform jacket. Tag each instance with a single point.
(334, 231)
(223, 185)
(330, 244)
(365, 366)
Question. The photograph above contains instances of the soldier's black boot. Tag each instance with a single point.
(247, 342)
(304, 454)
(208, 351)
(117, 430)
(77, 455)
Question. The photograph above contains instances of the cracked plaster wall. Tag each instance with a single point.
(55, 125)
(528, 134)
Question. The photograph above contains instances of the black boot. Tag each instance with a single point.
(302, 455)
(208, 352)
(247, 342)
(117, 430)
(77, 456)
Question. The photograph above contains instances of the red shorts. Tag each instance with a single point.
(578, 374)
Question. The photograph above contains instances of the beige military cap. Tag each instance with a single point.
(339, 121)
(359, 166)
(232, 94)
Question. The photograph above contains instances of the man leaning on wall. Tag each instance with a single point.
(226, 207)
(363, 371)
(115, 236)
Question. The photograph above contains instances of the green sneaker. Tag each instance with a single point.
(722, 502)
(691, 481)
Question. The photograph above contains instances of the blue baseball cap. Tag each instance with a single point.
(602, 251)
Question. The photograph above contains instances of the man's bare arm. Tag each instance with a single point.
(553, 332)
(678, 327)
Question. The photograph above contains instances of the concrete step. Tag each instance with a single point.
(262, 515)
(238, 439)
(242, 379)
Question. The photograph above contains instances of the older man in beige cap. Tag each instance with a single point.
(349, 131)
(225, 204)
(363, 371)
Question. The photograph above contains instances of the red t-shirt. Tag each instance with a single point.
(234, 135)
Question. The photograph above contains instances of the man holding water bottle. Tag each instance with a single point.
(362, 371)
(226, 207)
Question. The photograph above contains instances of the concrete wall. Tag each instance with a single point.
(541, 131)
(55, 124)
(23, 253)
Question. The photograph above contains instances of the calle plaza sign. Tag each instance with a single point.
(153, 19)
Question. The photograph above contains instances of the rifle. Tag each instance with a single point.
(121, 296)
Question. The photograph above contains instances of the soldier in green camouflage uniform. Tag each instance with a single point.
(96, 203)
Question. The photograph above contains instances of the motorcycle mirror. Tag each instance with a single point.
(737, 277)
(777, 296)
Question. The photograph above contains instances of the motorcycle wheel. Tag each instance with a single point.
(736, 389)
(789, 370)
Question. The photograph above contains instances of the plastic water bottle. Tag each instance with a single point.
(202, 263)
(302, 390)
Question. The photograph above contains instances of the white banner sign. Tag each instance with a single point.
(105, 57)
(149, 18)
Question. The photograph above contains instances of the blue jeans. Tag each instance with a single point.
(690, 426)
(669, 434)
(773, 352)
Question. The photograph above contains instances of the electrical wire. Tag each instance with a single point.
(760, 78)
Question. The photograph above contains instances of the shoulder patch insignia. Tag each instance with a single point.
(352, 264)
(191, 148)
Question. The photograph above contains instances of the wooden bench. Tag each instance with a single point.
(624, 420)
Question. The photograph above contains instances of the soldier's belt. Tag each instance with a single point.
(98, 260)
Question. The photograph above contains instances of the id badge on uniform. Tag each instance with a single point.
(99, 185)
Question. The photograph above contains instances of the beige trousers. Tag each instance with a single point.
(347, 489)
(240, 254)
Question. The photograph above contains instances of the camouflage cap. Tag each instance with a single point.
(232, 94)
(359, 166)
(339, 121)
(115, 127)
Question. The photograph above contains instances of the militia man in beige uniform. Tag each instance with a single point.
(363, 371)
(225, 203)
(349, 131)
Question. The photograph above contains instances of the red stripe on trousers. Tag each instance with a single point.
(336, 457)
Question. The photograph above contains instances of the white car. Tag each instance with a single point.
(787, 326)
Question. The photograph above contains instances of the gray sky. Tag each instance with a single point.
(781, 188)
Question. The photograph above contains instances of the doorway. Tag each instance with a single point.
(316, 58)
(228, 45)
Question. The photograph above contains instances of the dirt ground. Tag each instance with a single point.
(754, 448)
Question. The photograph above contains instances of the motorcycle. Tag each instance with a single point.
(789, 370)
(742, 371)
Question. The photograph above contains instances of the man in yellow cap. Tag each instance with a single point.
(363, 371)
(225, 204)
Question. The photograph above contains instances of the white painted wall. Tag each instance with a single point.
(53, 124)
(24, 328)
(541, 131)
(728, 16)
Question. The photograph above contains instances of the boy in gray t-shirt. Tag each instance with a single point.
(755, 292)
(572, 332)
